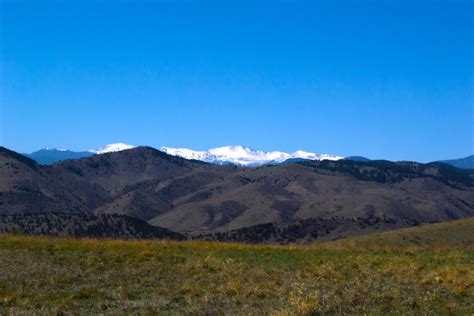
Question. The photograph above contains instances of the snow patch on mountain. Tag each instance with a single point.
(244, 156)
(111, 148)
(54, 149)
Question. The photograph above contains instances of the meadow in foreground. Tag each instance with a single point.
(85, 276)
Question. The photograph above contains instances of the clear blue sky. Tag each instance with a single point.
(383, 79)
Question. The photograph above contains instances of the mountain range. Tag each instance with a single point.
(227, 155)
(465, 163)
(244, 156)
(197, 198)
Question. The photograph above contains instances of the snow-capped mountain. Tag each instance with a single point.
(111, 148)
(244, 156)
(236, 155)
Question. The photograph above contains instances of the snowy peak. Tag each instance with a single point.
(111, 148)
(236, 155)
(243, 156)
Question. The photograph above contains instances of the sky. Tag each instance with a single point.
(381, 79)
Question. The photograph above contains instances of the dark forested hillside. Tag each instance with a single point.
(83, 225)
(309, 230)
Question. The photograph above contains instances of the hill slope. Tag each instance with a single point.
(459, 233)
(308, 230)
(186, 195)
(28, 187)
(411, 191)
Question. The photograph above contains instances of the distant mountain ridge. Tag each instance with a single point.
(47, 156)
(245, 156)
(465, 163)
(227, 155)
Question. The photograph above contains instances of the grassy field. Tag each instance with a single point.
(457, 234)
(85, 276)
